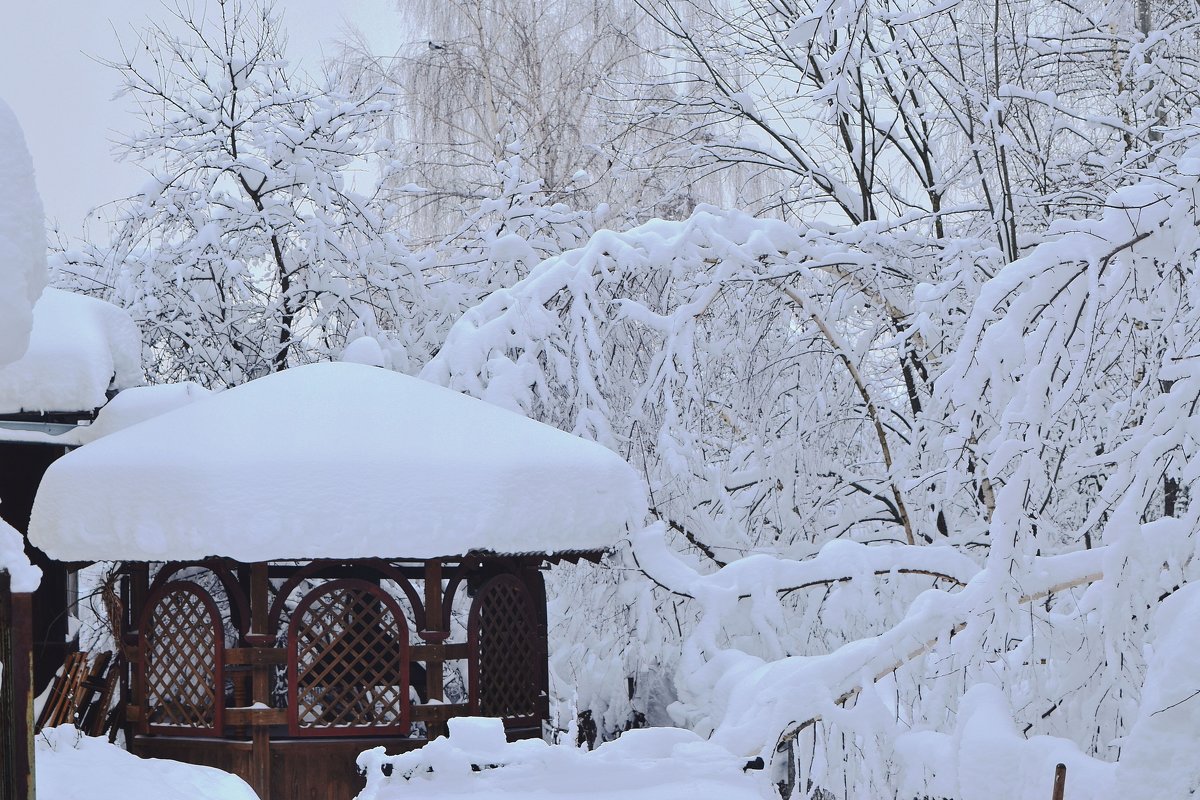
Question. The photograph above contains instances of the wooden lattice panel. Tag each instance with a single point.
(348, 662)
(183, 662)
(505, 670)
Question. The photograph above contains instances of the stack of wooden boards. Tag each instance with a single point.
(82, 695)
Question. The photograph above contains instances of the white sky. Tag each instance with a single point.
(63, 98)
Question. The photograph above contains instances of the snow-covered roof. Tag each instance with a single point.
(334, 461)
(136, 405)
(79, 348)
(130, 407)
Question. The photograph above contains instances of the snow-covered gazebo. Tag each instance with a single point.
(328, 559)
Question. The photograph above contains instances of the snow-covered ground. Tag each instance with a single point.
(648, 764)
(71, 766)
(652, 764)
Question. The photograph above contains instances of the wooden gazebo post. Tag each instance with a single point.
(16, 694)
(434, 638)
(260, 755)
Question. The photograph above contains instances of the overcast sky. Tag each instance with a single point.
(64, 99)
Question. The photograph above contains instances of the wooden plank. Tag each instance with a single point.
(438, 651)
(256, 716)
(97, 716)
(60, 705)
(255, 656)
(260, 762)
(88, 687)
(115, 722)
(439, 714)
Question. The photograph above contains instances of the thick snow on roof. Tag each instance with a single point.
(22, 239)
(136, 405)
(79, 346)
(334, 461)
(129, 407)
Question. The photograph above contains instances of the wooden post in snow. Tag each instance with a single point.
(16, 694)
(1060, 782)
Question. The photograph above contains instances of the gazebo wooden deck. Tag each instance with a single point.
(277, 620)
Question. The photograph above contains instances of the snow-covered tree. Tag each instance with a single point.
(482, 77)
(259, 240)
(926, 481)
(918, 430)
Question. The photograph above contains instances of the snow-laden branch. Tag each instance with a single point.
(836, 562)
(752, 704)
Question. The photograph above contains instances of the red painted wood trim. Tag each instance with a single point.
(384, 569)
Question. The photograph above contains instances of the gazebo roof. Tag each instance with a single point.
(334, 461)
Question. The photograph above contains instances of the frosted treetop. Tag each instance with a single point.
(79, 348)
(334, 461)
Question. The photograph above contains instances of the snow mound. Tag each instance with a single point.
(22, 239)
(364, 350)
(23, 576)
(476, 761)
(79, 348)
(138, 405)
(1158, 758)
(987, 757)
(71, 766)
(334, 461)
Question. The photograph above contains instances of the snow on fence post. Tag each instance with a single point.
(16, 693)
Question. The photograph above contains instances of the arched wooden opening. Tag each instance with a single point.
(348, 662)
(505, 652)
(182, 667)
